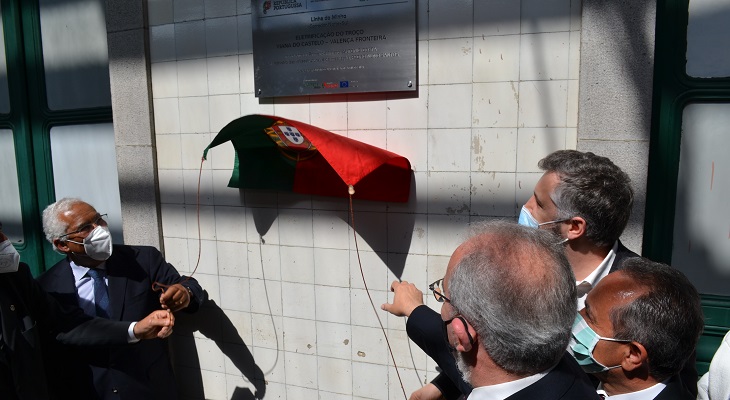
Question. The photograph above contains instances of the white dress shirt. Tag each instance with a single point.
(646, 394)
(503, 390)
(599, 273)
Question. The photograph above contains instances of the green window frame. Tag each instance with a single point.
(673, 90)
(31, 121)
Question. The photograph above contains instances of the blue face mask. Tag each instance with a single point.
(526, 219)
(583, 341)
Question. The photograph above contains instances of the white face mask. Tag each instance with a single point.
(9, 257)
(98, 244)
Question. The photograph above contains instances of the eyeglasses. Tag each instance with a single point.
(86, 229)
(438, 289)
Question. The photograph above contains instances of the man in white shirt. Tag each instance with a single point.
(508, 305)
(639, 327)
(585, 199)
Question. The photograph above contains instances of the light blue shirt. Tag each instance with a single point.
(85, 293)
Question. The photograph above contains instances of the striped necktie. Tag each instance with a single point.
(101, 294)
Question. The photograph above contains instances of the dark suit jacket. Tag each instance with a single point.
(424, 329)
(622, 254)
(30, 317)
(566, 381)
(675, 390)
(142, 371)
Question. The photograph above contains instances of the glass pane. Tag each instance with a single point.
(701, 247)
(4, 94)
(85, 166)
(708, 38)
(76, 61)
(10, 214)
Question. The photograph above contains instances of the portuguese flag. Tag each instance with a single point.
(281, 154)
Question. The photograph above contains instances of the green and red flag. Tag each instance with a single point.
(281, 154)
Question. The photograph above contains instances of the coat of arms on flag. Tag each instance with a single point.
(291, 142)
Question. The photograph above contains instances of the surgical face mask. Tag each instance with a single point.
(583, 341)
(98, 244)
(526, 219)
(9, 257)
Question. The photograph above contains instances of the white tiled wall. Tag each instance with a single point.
(498, 91)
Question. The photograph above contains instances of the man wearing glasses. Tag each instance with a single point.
(583, 198)
(30, 317)
(114, 282)
(508, 305)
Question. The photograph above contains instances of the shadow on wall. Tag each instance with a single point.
(370, 230)
(212, 322)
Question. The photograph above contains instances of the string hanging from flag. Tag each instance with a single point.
(276, 153)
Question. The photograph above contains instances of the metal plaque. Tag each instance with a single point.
(310, 47)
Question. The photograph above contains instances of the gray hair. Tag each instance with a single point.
(516, 288)
(594, 188)
(53, 227)
(667, 320)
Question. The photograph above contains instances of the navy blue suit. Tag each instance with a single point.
(141, 371)
(566, 381)
(676, 390)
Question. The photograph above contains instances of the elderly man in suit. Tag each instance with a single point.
(509, 300)
(29, 317)
(639, 327)
(115, 282)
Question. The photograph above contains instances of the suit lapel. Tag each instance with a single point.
(62, 279)
(622, 254)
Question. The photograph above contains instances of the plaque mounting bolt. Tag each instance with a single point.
(259, 92)
(410, 83)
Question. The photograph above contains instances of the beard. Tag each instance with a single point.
(555, 228)
(463, 367)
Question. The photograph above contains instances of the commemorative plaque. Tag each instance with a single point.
(311, 47)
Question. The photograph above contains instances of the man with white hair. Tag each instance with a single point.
(508, 307)
(115, 282)
(30, 318)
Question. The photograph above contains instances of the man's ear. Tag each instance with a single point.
(61, 245)
(577, 228)
(635, 357)
(462, 333)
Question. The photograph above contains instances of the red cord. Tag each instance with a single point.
(157, 286)
(377, 315)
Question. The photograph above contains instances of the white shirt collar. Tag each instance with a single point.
(599, 273)
(80, 271)
(648, 393)
(501, 391)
